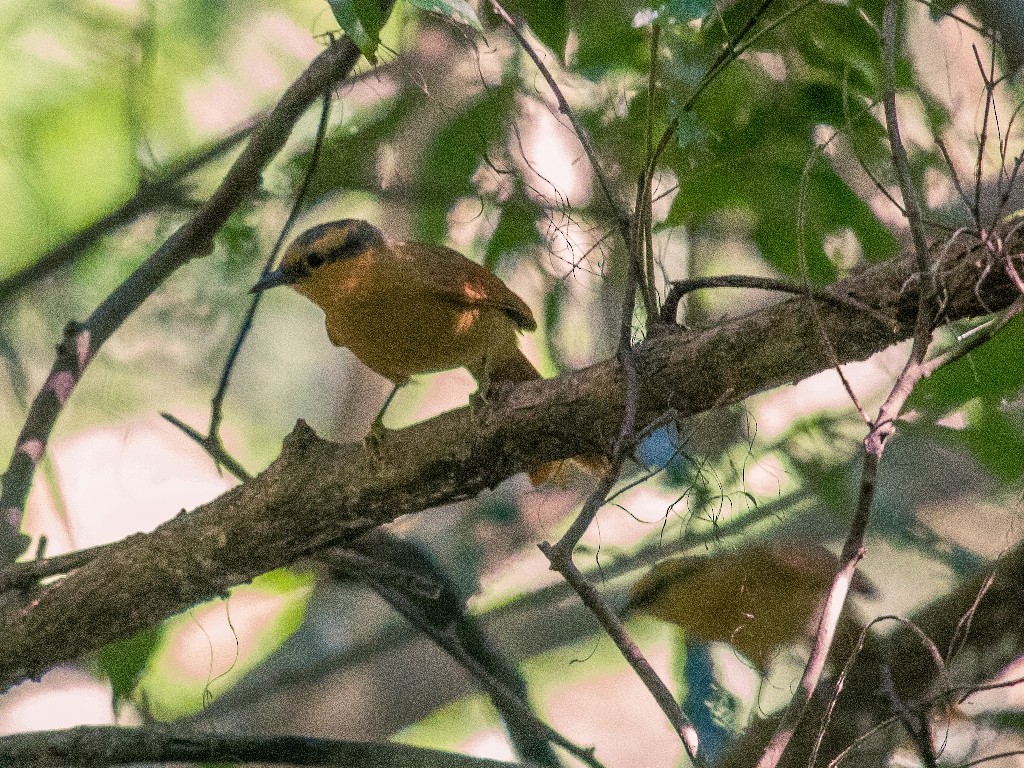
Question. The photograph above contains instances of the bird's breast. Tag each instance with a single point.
(400, 325)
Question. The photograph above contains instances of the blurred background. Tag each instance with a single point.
(781, 169)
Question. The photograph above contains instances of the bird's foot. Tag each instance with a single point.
(487, 395)
(374, 440)
(373, 443)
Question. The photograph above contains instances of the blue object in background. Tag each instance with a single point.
(706, 702)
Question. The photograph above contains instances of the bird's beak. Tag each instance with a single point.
(270, 280)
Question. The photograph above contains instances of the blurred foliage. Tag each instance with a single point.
(769, 161)
(123, 663)
(984, 390)
(455, 154)
(225, 649)
(361, 21)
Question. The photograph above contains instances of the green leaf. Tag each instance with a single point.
(986, 380)
(547, 20)
(690, 131)
(939, 8)
(677, 11)
(688, 10)
(361, 21)
(124, 662)
(517, 229)
(759, 167)
(454, 156)
(991, 372)
(349, 158)
(457, 10)
(554, 313)
(608, 41)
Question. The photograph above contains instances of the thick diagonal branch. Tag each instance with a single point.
(318, 493)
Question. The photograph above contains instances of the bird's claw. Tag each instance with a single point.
(373, 443)
(487, 395)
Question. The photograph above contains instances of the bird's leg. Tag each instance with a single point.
(482, 374)
(375, 437)
(488, 389)
(378, 422)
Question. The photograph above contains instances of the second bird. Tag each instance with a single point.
(406, 308)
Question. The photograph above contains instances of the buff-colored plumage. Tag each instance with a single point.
(758, 598)
(406, 308)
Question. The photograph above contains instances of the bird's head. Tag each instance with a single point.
(317, 249)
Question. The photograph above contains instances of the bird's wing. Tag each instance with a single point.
(450, 274)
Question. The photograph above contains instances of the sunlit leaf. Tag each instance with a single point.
(362, 21)
(546, 19)
(124, 662)
(457, 10)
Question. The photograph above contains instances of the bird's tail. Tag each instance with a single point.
(559, 473)
(515, 368)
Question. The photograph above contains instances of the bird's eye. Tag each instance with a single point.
(314, 260)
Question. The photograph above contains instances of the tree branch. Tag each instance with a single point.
(317, 493)
(88, 746)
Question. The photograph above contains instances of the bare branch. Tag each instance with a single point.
(211, 441)
(613, 626)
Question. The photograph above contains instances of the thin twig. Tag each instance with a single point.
(562, 550)
(22, 575)
(441, 619)
(815, 664)
(679, 288)
(976, 339)
(730, 52)
(560, 554)
(805, 279)
(625, 222)
(212, 441)
(991, 758)
(623, 218)
(915, 722)
(881, 430)
(963, 627)
(983, 139)
(645, 211)
(953, 175)
(926, 642)
(613, 626)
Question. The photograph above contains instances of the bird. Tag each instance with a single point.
(409, 308)
(758, 598)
